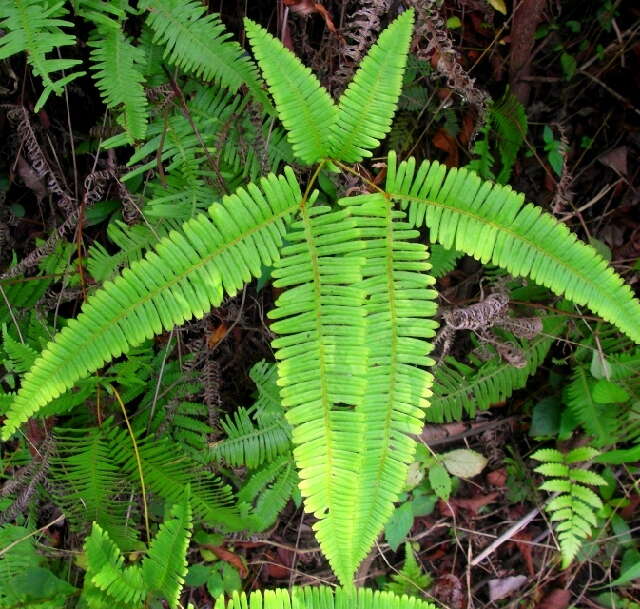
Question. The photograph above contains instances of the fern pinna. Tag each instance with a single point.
(355, 321)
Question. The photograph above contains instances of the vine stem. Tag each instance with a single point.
(138, 460)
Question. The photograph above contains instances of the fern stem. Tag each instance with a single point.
(138, 460)
(366, 180)
(310, 184)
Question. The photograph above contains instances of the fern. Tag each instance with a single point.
(510, 121)
(399, 308)
(249, 443)
(167, 472)
(322, 367)
(355, 318)
(198, 43)
(305, 108)
(88, 482)
(35, 26)
(321, 597)
(599, 420)
(492, 223)
(116, 63)
(218, 253)
(443, 260)
(465, 389)
(411, 579)
(108, 582)
(267, 490)
(165, 565)
(20, 355)
(253, 440)
(574, 506)
(367, 107)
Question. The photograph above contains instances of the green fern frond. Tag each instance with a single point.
(599, 420)
(573, 509)
(322, 361)
(399, 323)
(168, 472)
(199, 43)
(268, 406)
(20, 355)
(88, 482)
(366, 108)
(305, 108)
(321, 597)
(34, 27)
(189, 429)
(510, 120)
(411, 579)
(250, 443)
(267, 491)
(173, 140)
(443, 260)
(165, 566)
(260, 433)
(115, 64)
(186, 274)
(465, 389)
(492, 223)
(106, 572)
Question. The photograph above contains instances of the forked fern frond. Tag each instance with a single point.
(321, 597)
(107, 580)
(322, 359)
(366, 108)
(33, 26)
(492, 223)
(187, 273)
(115, 63)
(399, 323)
(574, 507)
(305, 108)
(109, 583)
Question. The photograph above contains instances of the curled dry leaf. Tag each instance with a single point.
(445, 141)
(475, 503)
(233, 559)
(307, 7)
(497, 477)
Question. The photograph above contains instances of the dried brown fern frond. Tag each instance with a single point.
(359, 32)
(19, 116)
(432, 39)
